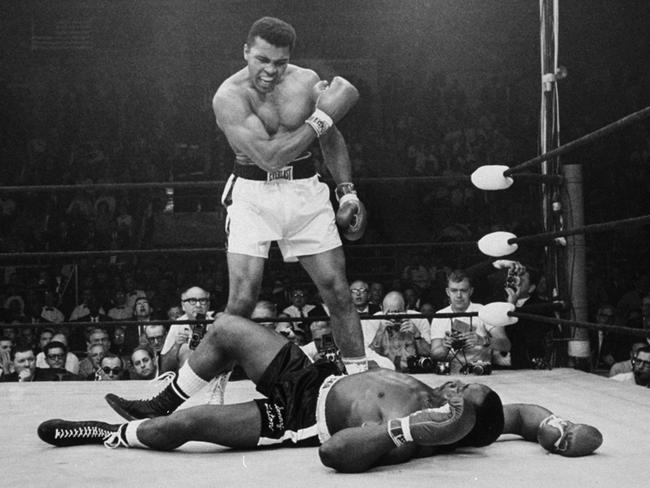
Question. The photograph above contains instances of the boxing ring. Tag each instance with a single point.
(619, 410)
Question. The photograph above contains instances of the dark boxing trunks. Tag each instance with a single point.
(291, 384)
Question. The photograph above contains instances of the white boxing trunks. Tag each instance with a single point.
(297, 213)
(321, 421)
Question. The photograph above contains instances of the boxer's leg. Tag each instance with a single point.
(327, 270)
(236, 425)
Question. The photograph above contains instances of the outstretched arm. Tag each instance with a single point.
(556, 435)
(523, 419)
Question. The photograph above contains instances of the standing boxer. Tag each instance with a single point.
(271, 112)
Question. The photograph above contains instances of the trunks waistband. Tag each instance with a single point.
(299, 168)
(321, 420)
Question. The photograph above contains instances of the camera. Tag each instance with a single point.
(328, 349)
(479, 368)
(456, 342)
(442, 367)
(198, 332)
(513, 278)
(420, 364)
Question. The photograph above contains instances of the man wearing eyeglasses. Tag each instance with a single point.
(111, 368)
(640, 373)
(55, 356)
(195, 301)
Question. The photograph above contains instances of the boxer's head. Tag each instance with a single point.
(267, 51)
(276, 32)
(489, 412)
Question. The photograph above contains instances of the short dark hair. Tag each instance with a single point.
(145, 348)
(20, 347)
(274, 31)
(458, 275)
(645, 349)
(489, 423)
(55, 345)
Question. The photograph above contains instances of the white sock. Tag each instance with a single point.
(188, 381)
(355, 365)
(131, 434)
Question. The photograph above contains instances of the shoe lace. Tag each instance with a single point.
(80, 432)
(218, 389)
(113, 440)
(161, 381)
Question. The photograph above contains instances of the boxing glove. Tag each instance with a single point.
(334, 100)
(351, 217)
(566, 438)
(434, 426)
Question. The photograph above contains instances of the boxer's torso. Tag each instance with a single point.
(375, 397)
(282, 110)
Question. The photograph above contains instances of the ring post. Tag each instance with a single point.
(578, 346)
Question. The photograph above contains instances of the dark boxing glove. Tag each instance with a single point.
(565, 438)
(351, 217)
(434, 426)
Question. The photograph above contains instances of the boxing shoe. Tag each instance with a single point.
(565, 438)
(65, 433)
(164, 403)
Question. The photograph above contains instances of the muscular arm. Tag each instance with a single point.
(357, 449)
(247, 134)
(523, 419)
(336, 156)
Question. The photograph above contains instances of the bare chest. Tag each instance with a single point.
(282, 112)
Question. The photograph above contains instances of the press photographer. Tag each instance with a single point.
(464, 344)
(402, 339)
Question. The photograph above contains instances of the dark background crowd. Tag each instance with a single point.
(456, 90)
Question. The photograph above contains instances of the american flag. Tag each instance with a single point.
(61, 34)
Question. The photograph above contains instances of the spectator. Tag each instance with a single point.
(400, 339)
(195, 302)
(6, 348)
(44, 337)
(640, 373)
(142, 313)
(50, 312)
(144, 364)
(531, 341)
(120, 310)
(174, 312)
(464, 341)
(23, 365)
(609, 347)
(82, 309)
(95, 314)
(299, 307)
(70, 361)
(133, 291)
(626, 366)
(376, 294)
(55, 354)
(361, 299)
(155, 335)
(89, 365)
(111, 368)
